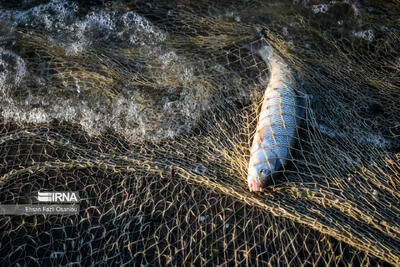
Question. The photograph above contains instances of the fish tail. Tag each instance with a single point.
(260, 47)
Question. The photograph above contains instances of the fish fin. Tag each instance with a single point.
(278, 165)
(278, 162)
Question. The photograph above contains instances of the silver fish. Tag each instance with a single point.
(278, 121)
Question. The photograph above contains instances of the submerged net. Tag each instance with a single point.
(148, 111)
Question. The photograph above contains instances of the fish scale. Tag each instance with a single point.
(278, 119)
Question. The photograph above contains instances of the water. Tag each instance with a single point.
(170, 104)
(141, 85)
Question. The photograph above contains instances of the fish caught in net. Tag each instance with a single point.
(148, 110)
(281, 115)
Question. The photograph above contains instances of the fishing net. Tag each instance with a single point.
(148, 109)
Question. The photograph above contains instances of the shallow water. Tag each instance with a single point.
(119, 70)
(170, 103)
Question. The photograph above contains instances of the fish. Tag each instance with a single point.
(281, 114)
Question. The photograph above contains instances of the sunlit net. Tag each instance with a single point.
(160, 159)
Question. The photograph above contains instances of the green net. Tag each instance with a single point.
(148, 109)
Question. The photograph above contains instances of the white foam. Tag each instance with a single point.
(131, 112)
(234, 15)
(35, 115)
(74, 34)
(356, 11)
(168, 59)
(73, 49)
(142, 28)
(367, 35)
(285, 31)
(50, 15)
(13, 69)
(321, 8)
(99, 21)
(129, 28)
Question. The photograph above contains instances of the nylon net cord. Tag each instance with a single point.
(184, 200)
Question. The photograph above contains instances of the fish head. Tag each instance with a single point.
(262, 164)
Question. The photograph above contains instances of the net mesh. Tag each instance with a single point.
(152, 195)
